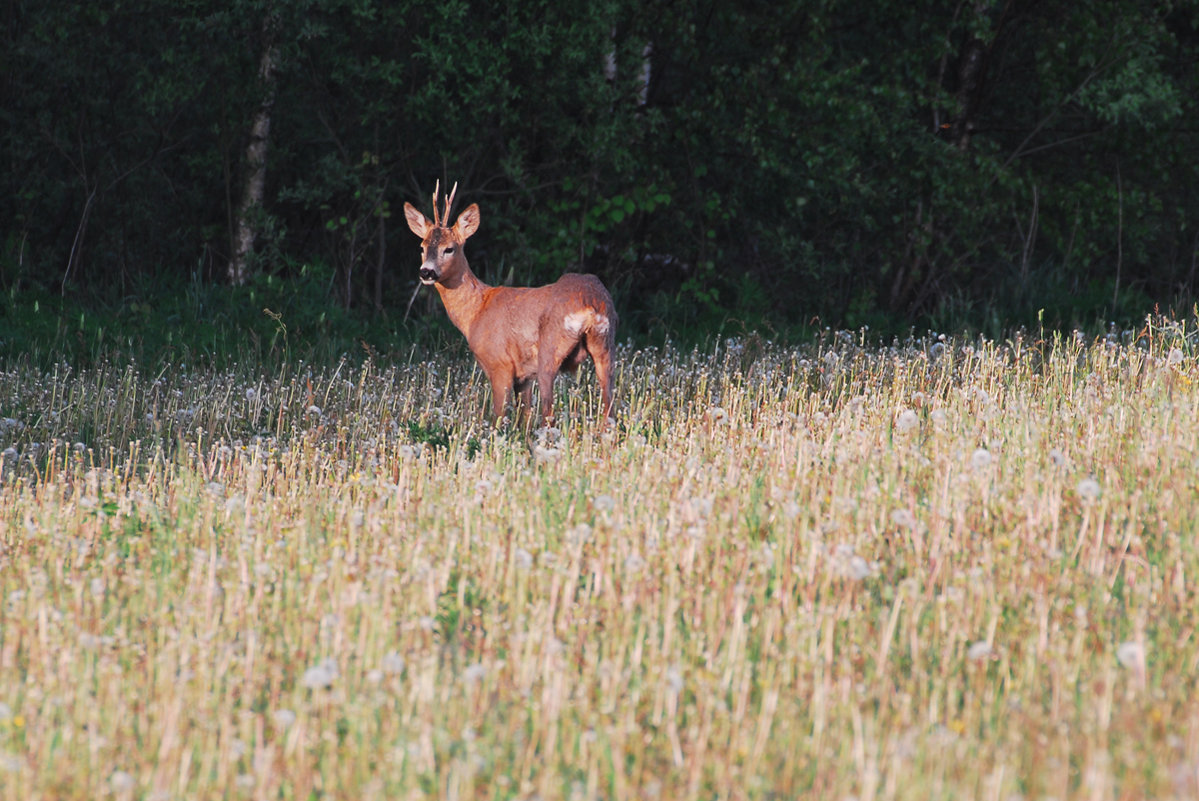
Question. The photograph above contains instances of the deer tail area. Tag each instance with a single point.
(588, 320)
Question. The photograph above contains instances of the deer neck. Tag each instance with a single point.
(463, 295)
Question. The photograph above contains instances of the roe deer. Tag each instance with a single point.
(517, 333)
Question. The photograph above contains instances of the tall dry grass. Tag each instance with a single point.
(942, 569)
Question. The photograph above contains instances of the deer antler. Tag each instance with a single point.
(449, 203)
(436, 191)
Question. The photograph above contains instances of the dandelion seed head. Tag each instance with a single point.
(1130, 654)
(1089, 489)
(121, 781)
(320, 676)
(903, 518)
(979, 651)
(980, 459)
(579, 534)
(1175, 357)
(907, 420)
(283, 718)
(393, 663)
(523, 559)
(634, 563)
(859, 568)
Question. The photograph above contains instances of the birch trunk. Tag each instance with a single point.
(256, 153)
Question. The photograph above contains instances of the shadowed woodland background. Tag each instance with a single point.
(842, 161)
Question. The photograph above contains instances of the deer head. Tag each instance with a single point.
(442, 260)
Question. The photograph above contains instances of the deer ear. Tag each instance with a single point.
(418, 222)
(468, 221)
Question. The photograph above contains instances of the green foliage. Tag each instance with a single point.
(834, 160)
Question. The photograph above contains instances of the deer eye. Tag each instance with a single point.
(448, 251)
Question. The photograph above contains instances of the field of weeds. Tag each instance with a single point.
(943, 569)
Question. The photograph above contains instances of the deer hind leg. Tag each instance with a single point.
(555, 357)
(600, 348)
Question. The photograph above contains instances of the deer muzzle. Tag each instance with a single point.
(428, 274)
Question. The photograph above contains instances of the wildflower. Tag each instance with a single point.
(907, 420)
(251, 395)
(10, 454)
(717, 415)
(938, 417)
(634, 563)
(903, 518)
(1175, 357)
(474, 673)
(314, 410)
(1088, 489)
(1057, 457)
(980, 459)
(605, 503)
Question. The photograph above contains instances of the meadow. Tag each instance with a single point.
(936, 569)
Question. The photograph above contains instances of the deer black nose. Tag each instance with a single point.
(428, 274)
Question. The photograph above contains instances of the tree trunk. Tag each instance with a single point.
(256, 152)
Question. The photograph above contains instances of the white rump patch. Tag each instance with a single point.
(575, 322)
